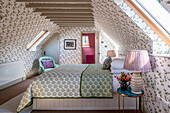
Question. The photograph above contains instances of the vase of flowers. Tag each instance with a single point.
(124, 80)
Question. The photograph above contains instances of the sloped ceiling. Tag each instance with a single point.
(18, 27)
(108, 16)
(159, 46)
(121, 28)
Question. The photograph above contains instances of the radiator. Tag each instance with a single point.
(11, 73)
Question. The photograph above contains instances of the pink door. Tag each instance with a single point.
(88, 48)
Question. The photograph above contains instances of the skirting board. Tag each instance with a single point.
(3, 86)
(85, 104)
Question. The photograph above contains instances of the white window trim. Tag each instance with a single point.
(32, 46)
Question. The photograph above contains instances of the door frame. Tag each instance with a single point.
(96, 49)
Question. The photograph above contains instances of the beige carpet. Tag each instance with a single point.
(12, 91)
(11, 105)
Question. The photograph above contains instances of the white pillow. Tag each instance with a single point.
(117, 64)
(117, 58)
(118, 71)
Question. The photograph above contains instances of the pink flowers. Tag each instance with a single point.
(128, 78)
(124, 78)
(119, 77)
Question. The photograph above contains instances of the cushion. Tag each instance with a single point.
(47, 63)
(118, 58)
(106, 64)
(118, 71)
(117, 64)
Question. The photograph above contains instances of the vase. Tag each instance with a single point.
(124, 86)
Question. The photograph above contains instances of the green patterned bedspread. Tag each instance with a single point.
(70, 81)
(96, 82)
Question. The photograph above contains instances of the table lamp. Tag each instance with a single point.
(111, 53)
(137, 61)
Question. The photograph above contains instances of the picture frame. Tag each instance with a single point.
(70, 44)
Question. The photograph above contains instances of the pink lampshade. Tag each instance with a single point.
(111, 53)
(137, 60)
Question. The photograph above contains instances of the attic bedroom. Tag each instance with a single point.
(84, 56)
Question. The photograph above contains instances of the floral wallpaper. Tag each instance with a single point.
(159, 47)
(110, 18)
(17, 28)
(73, 56)
(156, 85)
(130, 32)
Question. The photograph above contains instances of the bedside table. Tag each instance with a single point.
(128, 93)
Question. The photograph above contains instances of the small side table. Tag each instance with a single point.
(128, 93)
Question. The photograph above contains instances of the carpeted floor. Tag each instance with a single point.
(14, 90)
(11, 105)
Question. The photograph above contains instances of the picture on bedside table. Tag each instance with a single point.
(70, 44)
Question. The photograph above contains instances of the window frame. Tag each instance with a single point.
(41, 36)
(158, 30)
(85, 45)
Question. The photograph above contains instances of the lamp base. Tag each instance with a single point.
(136, 83)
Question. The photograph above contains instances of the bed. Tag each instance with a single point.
(73, 87)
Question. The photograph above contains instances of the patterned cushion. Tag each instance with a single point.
(106, 63)
(47, 63)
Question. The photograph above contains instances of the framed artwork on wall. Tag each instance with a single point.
(69, 44)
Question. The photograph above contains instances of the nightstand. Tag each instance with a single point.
(128, 93)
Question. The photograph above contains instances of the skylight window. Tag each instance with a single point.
(85, 40)
(156, 11)
(32, 46)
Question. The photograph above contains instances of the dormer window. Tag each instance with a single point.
(155, 10)
(32, 46)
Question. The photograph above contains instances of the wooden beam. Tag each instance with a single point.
(148, 22)
(67, 15)
(63, 10)
(57, 1)
(72, 19)
(73, 23)
(60, 6)
(77, 25)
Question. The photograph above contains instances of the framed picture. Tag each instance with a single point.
(70, 44)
